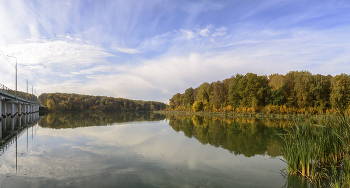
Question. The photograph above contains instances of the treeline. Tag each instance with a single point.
(78, 102)
(296, 92)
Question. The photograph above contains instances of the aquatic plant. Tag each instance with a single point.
(323, 145)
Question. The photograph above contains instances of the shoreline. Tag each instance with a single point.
(234, 114)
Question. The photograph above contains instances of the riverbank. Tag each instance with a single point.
(235, 114)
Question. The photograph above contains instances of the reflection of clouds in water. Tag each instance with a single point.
(149, 153)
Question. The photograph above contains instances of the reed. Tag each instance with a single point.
(316, 148)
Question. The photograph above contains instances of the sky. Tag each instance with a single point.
(151, 50)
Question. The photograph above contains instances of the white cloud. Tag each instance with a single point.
(220, 32)
(56, 52)
(97, 69)
(126, 50)
(188, 34)
(205, 32)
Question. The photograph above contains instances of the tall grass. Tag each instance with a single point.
(318, 149)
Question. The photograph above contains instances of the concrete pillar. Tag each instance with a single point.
(8, 109)
(4, 124)
(3, 107)
(12, 110)
(12, 124)
(19, 109)
(25, 118)
(19, 121)
(8, 123)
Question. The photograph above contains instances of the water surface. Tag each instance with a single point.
(144, 150)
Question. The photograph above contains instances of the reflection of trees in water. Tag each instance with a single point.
(241, 136)
(88, 119)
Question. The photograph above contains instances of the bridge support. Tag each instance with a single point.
(24, 108)
(13, 105)
(8, 108)
(27, 108)
(13, 124)
(4, 124)
(4, 109)
(1, 98)
(19, 108)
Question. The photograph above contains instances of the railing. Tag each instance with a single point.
(20, 94)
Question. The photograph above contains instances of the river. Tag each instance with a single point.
(82, 149)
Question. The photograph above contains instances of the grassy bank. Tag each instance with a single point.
(235, 114)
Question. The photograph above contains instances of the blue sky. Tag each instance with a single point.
(150, 50)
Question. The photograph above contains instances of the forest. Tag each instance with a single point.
(78, 102)
(297, 92)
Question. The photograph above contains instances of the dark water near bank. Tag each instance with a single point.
(142, 150)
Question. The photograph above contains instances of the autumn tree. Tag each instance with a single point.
(203, 92)
(218, 95)
(188, 97)
(340, 95)
(276, 93)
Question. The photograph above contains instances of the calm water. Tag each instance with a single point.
(141, 150)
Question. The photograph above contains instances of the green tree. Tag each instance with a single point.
(218, 95)
(320, 90)
(302, 83)
(250, 90)
(203, 92)
(340, 96)
(235, 96)
(188, 97)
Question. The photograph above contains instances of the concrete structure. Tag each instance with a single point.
(9, 106)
